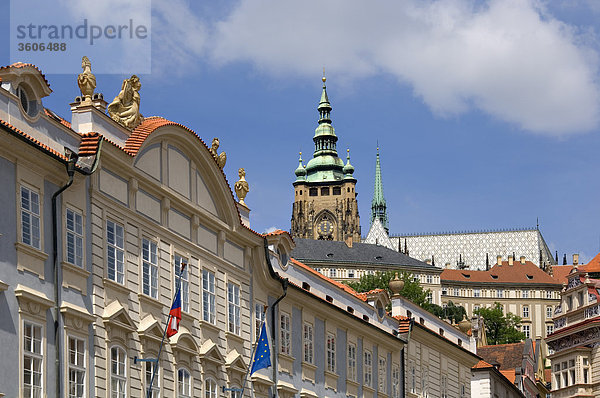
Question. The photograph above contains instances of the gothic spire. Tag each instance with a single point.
(378, 206)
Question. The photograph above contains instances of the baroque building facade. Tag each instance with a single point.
(89, 268)
(325, 205)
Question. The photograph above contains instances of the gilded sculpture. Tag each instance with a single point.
(125, 108)
(221, 158)
(86, 80)
(241, 187)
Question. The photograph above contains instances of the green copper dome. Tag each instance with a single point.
(300, 171)
(348, 168)
(325, 166)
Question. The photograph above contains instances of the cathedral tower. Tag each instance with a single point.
(325, 204)
(378, 206)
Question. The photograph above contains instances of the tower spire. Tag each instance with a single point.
(378, 206)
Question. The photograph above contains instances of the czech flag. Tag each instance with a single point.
(174, 315)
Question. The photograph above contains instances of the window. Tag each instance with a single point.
(463, 390)
(548, 294)
(586, 370)
(210, 388)
(332, 272)
(149, 368)
(413, 377)
(184, 384)
(525, 311)
(395, 381)
(476, 307)
(118, 380)
(352, 362)
(549, 329)
(33, 360)
(350, 273)
(429, 279)
(308, 343)
(233, 299)
(184, 279)
(208, 296)
(149, 268)
(313, 192)
(76, 367)
(285, 334)
(325, 191)
(259, 317)
(381, 371)
(30, 217)
(74, 238)
(444, 386)
(549, 311)
(526, 331)
(425, 382)
(330, 352)
(430, 297)
(476, 293)
(525, 293)
(337, 190)
(115, 254)
(444, 291)
(456, 292)
(368, 369)
(499, 293)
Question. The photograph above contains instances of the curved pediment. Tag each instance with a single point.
(176, 157)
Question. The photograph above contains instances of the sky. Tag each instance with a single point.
(486, 113)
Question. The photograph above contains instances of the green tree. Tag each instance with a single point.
(454, 312)
(412, 290)
(500, 328)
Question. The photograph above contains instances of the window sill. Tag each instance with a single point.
(309, 365)
(208, 325)
(109, 283)
(32, 251)
(75, 277)
(235, 337)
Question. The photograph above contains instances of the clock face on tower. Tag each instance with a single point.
(325, 229)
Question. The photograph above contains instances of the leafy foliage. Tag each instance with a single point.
(412, 291)
(500, 328)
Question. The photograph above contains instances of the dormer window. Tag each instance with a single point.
(23, 98)
(26, 100)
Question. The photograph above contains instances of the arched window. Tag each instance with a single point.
(184, 383)
(149, 368)
(210, 388)
(118, 375)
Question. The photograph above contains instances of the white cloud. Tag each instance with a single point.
(507, 58)
(270, 229)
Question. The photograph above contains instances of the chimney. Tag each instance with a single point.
(499, 260)
(510, 259)
(522, 259)
(447, 265)
(576, 259)
(349, 241)
(428, 261)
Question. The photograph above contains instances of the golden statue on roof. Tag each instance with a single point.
(125, 108)
(221, 158)
(86, 80)
(241, 187)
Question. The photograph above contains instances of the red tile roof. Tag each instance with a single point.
(510, 374)
(482, 365)
(56, 117)
(517, 273)
(343, 286)
(277, 232)
(593, 265)
(508, 356)
(19, 65)
(403, 323)
(32, 140)
(89, 144)
(560, 272)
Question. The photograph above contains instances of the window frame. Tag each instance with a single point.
(308, 343)
(148, 368)
(285, 342)
(351, 362)
(382, 370)
(76, 367)
(233, 308)
(368, 368)
(181, 385)
(330, 360)
(150, 267)
(34, 357)
(34, 240)
(118, 252)
(185, 280)
(209, 283)
(211, 389)
(121, 392)
(77, 238)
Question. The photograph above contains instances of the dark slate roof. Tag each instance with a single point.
(327, 251)
(508, 356)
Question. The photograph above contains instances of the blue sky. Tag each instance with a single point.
(486, 113)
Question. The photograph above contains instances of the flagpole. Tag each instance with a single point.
(149, 392)
(253, 351)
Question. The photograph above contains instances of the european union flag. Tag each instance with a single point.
(262, 355)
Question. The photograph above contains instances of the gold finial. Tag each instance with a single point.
(324, 78)
(241, 187)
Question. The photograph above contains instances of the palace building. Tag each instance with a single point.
(325, 205)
